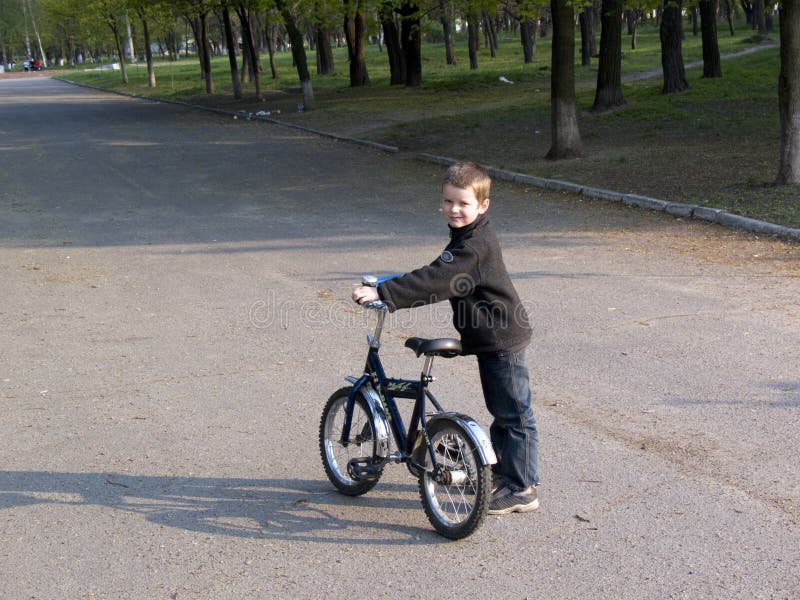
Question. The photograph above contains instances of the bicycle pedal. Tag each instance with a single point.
(363, 469)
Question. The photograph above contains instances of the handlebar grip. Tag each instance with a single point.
(376, 305)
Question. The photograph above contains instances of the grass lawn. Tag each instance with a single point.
(716, 144)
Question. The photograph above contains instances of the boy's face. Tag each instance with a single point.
(460, 207)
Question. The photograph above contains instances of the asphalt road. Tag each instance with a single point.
(174, 313)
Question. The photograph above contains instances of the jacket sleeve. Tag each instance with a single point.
(454, 273)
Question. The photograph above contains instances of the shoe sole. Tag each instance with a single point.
(520, 508)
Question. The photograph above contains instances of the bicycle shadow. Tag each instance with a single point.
(281, 509)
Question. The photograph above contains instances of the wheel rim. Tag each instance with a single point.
(361, 438)
(453, 501)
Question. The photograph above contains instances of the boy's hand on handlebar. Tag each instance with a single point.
(363, 294)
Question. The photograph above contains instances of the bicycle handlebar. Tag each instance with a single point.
(372, 281)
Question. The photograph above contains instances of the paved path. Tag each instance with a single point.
(173, 315)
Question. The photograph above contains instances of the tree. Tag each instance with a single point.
(588, 47)
(489, 33)
(270, 34)
(526, 13)
(633, 16)
(324, 21)
(249, 44)
(109, 12)
(759, 17)
(671, 50)
(355, 34)
(411, 41)
(196, 14)
(789, 93)
(729, 8)
(473, 27)
(566, 137)
(298, 53)
(608, 93)
(712, 67)
(391, 37)
(447, 30)
(144, 10)
(231, 44)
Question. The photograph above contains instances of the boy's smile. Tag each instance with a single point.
(460, 207)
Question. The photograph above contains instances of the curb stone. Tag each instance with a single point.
(677, 209)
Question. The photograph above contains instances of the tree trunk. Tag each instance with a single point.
(246, 73)
(226, 22)
(204, 51)
(447, 30)
(588, 47)
(391, 38)
(729, 16)
(758, 16)
(298, 54)
(410, 42)
(472, 38)
(789, 93)
(355, 33)
(566, 137)
(269, 36)
(609, 73)
(747, 7)
(586, 27)
(633, 16)
(671, 50)
(148, 53)
(708, 24)
(121, 55)
(249, 46)
(491, 35)
(324, 52)
(527, 33)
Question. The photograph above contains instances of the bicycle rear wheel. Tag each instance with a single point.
(456, 496)
(360, 444)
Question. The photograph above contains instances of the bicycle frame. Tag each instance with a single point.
(387, 390)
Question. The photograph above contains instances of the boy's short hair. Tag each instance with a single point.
(469, 176)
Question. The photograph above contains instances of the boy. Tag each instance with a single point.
(493, 325)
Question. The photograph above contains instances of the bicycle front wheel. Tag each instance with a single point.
(456, 494)
(360, 443)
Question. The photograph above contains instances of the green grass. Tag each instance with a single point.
(715, 144)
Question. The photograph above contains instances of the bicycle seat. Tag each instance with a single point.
(446, 347)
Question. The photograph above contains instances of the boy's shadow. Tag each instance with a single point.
(283, 509)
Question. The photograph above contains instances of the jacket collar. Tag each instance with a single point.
(459, 232)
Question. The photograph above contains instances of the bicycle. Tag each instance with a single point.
(362, 431)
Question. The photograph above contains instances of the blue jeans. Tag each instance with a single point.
(507, 392)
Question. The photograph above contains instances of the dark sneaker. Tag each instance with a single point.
(505, 500)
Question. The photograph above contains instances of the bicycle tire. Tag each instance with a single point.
(335, 455)
(458, 507)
